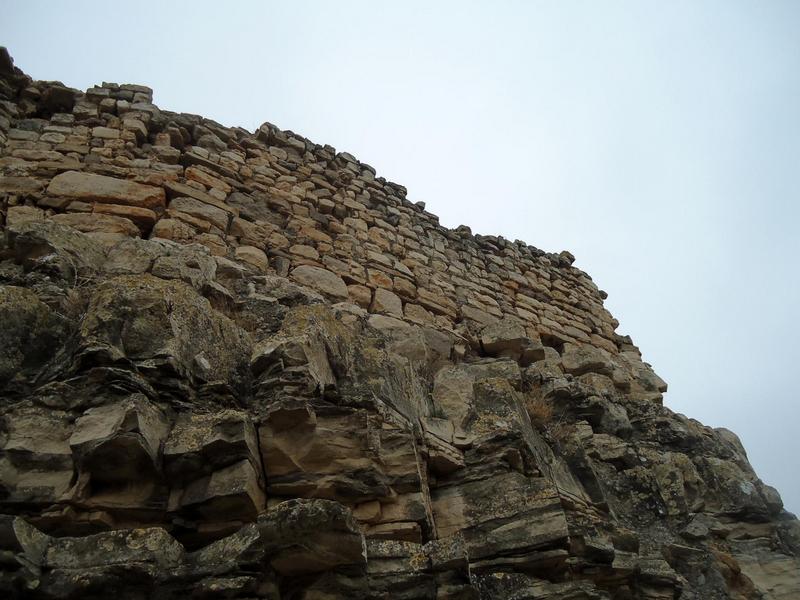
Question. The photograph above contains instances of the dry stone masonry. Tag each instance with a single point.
(243, 365)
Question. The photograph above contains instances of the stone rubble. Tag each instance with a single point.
(243, 365)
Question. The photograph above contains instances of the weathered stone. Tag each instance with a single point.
(579, 360)
(106, 133)
(321, 280)
(17, 215)
(192, 264)
(360, 294)
(114, 548)
(144, 218)
(454, 387)
(165, 324)
(132, 256)
(203, 211)
(98, 223)
(20, 185)
(506, 511)
(508, 337)
(178, 190)
(119, 442)
(56, 249)
(309, 536)
(229, 493)
(254, 257)
(36, 465)
(385, 301)
(330, 457)
(99, 188)
(201, 443)
(173, 229)
(200, 176)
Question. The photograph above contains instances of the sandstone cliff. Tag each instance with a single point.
(242, 365)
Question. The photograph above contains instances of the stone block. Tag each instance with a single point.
(100, 188)
(321, 280)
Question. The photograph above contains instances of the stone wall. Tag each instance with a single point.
(245, 365)
(278, 201)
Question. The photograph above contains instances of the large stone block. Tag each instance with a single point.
(102, 224)
(201, 443)
(36, 466)
(508, 337)
(229, 493)
(345, 455)
(321, 280)
(30, 334)
(120, 442)
(309, 536)
(55, 249)
(211, 214)
(504, 514)
(99, 188)
(165, 327)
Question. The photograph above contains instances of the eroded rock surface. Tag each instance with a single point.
(242, 365)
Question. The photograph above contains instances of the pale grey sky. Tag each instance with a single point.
(657, 141)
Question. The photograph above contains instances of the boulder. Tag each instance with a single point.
(578, 360)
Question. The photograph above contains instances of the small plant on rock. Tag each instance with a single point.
(540, 411)
(544, 418)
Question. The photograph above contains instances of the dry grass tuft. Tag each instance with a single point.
(544, 418)
(74, 304)
(540, 411)
(76, 299)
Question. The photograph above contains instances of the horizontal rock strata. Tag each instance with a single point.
(240, 364)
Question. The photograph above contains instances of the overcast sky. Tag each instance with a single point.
(657, 141)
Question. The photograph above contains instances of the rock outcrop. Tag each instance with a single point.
(242, 365)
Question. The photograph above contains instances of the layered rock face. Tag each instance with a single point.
(241, 365)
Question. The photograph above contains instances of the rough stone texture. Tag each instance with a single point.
(88, 186)
(321, 280)
(242, 365)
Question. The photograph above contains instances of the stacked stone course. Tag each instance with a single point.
(275, 201)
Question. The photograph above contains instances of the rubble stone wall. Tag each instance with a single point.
(241, 364)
